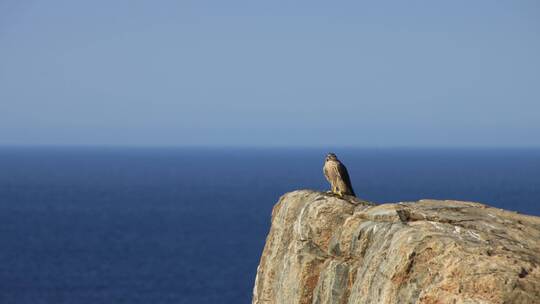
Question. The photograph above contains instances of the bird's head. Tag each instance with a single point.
(331, 156)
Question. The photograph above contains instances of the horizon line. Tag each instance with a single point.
(152, 146)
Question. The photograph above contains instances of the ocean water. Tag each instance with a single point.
(148, 225)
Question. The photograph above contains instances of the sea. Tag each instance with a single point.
(187, 225)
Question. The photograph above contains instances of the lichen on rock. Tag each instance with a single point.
(323, 249)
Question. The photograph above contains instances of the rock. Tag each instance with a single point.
(322, 249)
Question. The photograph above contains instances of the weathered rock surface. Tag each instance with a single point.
(323, 249)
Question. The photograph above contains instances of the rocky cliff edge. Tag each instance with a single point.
(324, 249)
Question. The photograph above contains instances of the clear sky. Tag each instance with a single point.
(270, 73)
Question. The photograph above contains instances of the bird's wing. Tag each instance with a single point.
(344, 175)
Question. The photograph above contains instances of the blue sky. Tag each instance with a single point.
(270, 73)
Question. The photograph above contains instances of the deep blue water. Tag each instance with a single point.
(111, 225)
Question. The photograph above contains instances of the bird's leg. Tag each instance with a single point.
(338, 191)
(331, 189)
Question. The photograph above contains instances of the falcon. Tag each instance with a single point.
(337, 175)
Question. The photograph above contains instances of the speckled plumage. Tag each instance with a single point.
(337, 175)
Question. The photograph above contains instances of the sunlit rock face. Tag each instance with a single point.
(323, 249)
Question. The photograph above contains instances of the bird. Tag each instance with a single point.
(337, 175)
